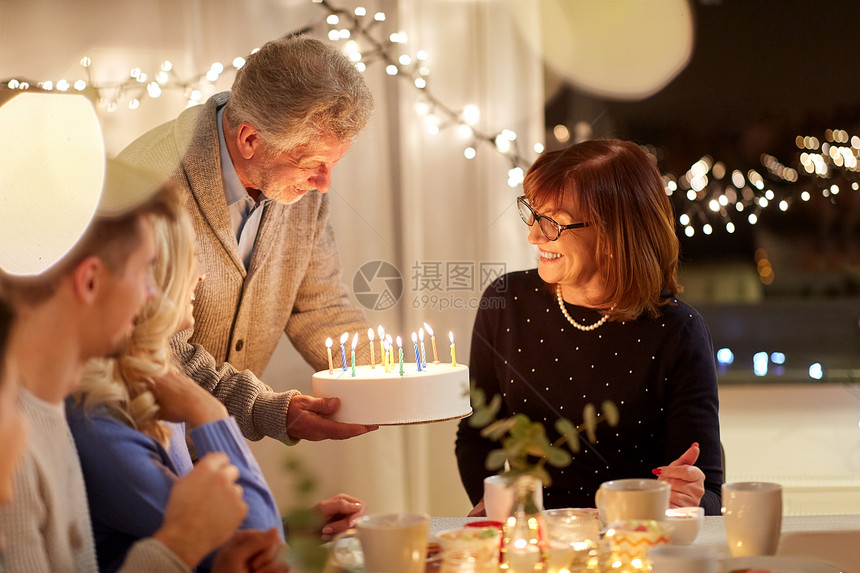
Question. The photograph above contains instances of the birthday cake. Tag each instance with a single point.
(438, 392)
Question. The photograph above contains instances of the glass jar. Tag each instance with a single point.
(523, 530)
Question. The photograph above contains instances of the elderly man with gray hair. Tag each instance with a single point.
(254, 165)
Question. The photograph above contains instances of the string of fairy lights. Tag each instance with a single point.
(362, 37)
(716, 195)
(712, 195)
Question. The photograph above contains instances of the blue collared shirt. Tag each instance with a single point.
(245, 213)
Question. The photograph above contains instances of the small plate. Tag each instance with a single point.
(776, 565)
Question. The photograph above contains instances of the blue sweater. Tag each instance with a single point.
(129, 476)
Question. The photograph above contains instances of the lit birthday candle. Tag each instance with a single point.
(385, 350)
(343, 338)
(354, 344)
(390, 350)
(381, 332)
(423, 354)
(400, 354)
(370, 340)
(433, 341)
(328, 343)
(415, 345)
(453, 350)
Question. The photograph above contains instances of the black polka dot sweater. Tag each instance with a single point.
(659, 372)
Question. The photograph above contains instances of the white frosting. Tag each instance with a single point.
(439, 392)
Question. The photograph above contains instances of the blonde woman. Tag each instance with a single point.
(129, 415)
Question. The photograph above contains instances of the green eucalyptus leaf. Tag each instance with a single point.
(480, 418)
(495, 404)
(589, 419)
(558, 457)
(497, 429)
(566, 428)
(478, 397)
(610, 410)
(542, 475)
(496, 460)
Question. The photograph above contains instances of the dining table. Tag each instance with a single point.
(832, 540)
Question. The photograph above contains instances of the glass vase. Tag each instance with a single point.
(523, 530)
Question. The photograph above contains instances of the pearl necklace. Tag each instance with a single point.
(569, 318)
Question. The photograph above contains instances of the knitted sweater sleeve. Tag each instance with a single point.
(151, 555)
(258, 409)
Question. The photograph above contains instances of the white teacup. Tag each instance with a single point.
(626, 499)
(390, 543)
(499, 497)
(752, 513)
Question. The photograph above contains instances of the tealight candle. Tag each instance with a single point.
(370, 340)
(343, 339)
(423, 355)
(433, 341)
(415, 346)
(354, 344)
(328, 343)
(453, 350)
(400, 354)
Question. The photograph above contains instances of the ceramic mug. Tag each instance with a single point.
(752, 512)
(499, 497)
(389, 543)
(625, 499)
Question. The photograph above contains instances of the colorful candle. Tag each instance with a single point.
(354, 344)
(343, 339)
(423, 354)
(400, 353)
(370, 340)
(433, 341)
(386, 348)
(390, 351)
(381, 332)
(328, 343)
(453, 350)
(415, 346)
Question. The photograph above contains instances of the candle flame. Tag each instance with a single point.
(387, 345)
(344, 337)
(370, 334)
(421, 334)
(388, 338)
(328, 342)
(451, 336)
(381, 332)
(428, 329)
(414, 338)
(355, 341)
(399, 342)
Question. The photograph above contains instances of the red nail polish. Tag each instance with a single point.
(696, 444)
(656, 471)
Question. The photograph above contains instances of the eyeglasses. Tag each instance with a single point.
(550, 229)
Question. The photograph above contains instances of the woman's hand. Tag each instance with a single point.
(340, 512)
(687, 481)
(180, 399)
(479, 510)
(204, 509)
(251, 551)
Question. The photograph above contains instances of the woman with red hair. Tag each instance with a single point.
(599, 319)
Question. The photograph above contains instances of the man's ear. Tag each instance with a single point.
(87, 279)
(248, 140)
